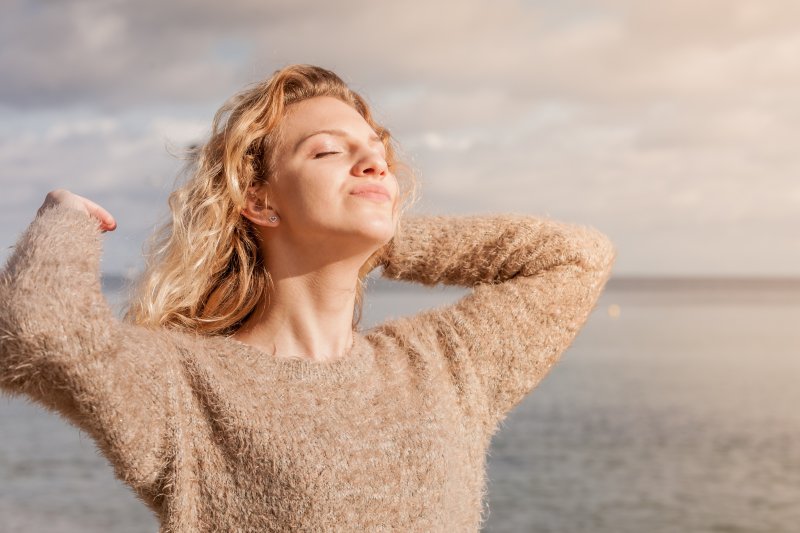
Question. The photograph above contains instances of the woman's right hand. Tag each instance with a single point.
(73, 201)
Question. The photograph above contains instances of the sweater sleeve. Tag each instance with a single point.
(61, 346)
(534, 281)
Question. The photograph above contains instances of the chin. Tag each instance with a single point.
(377, 228)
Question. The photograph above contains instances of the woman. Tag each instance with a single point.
(238, 393)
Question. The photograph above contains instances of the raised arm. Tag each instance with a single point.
(534, 282)
(61, 346)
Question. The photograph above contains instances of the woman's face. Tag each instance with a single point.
(328, 150)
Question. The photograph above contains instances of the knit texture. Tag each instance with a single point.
(215, 435)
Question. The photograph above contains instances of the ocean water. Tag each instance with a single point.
(675, 410)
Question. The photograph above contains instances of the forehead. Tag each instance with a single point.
(321, 112)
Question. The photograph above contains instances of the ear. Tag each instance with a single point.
(256, 209)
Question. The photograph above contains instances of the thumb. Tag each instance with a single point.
(107, 222)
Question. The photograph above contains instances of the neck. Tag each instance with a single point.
(306, 315)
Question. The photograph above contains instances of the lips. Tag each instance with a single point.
(370, 188)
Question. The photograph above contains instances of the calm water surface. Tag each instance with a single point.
(671, 412)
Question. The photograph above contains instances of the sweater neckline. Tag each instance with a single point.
(348, 366)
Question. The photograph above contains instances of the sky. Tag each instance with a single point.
(670, 126)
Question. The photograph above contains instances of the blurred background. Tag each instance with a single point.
(672, 127)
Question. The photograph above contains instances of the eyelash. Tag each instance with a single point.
(317, 156)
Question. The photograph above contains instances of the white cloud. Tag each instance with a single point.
(63, 130)
(673, 126)
(180, 131)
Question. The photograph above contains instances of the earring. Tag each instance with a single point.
(273, 218)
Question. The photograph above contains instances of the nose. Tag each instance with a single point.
(372, 164)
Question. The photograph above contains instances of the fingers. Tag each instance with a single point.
(107, 222)
(72, 200)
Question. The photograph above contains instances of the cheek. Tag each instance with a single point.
(313, 196)
(395, 185)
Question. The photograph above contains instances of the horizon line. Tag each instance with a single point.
(622, 282)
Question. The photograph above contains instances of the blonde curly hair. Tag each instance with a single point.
(203, 269)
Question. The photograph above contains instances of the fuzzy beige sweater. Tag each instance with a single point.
(215, 435)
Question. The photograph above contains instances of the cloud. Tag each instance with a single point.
(667, 124)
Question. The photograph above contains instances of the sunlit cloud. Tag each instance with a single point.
(671, 127)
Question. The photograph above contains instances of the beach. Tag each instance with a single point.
(673, 410)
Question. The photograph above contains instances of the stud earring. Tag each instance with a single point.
(273, 218)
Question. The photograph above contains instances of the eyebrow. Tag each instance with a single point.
(339, 133)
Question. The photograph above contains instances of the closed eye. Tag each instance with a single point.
(322, 154)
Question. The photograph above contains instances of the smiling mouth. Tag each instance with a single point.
(372, 195)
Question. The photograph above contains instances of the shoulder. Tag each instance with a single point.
(175, 344)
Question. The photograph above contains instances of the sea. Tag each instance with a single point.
(676, 409)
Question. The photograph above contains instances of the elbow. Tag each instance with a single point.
(584, 248)
(607, 255)
(596, 252)
(53, 326)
